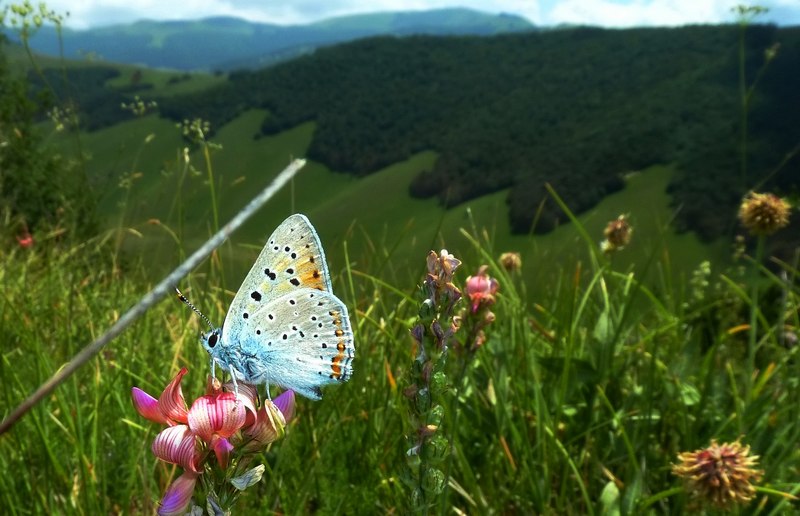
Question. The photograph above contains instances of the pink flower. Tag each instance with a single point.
(481, 289)
(25, 240)
(217, 422)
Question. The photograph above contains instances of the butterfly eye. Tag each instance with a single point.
(212, 340)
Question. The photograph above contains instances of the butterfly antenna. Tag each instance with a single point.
(194, 308)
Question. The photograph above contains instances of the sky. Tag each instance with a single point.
(608, 13)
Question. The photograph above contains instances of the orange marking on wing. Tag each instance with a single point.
(311, 278)
(337, 369)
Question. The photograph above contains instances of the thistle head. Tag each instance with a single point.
(763, 213)
(512, 262)
(720, 474)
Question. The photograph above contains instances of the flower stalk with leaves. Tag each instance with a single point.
(429, 383)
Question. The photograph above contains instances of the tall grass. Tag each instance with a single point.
(579, 401)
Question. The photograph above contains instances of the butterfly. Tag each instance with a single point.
(285, 326)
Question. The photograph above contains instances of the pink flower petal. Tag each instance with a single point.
(269, 427)
(248, 396)
(177, 445)
(171, 401)
(222, 449)
(147, 406)
(178, 495)
(216, 415)
(285, 403)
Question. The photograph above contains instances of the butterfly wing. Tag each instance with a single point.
(301, 341)
(292, 258)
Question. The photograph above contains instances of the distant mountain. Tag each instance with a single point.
(224, 43)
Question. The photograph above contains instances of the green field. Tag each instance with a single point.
(375, 215)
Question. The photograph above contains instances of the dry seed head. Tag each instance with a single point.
(763, 213)
(618, 234)
(512, 262)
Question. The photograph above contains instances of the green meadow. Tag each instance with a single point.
(374, 215)
(632, 382)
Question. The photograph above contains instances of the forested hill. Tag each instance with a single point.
(573, 108)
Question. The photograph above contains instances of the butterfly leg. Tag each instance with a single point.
(213, 369)
(235, 385)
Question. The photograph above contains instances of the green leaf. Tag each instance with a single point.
(609, 499)
(248, 478)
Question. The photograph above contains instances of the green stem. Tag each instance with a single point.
(752, 337)
(211, 187)
(452, 427)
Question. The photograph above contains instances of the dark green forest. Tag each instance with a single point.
(575, 108)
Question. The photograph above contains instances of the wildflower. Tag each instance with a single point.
(481, 289)
(439, 280)
(512, 262)
(618, 234)
(443, 265)
(217, 437)
(763, 214)
(719, 474)
(428, 390)
(25, 240)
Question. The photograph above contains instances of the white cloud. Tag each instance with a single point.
(609, 13)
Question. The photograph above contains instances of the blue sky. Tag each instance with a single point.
(609, 13)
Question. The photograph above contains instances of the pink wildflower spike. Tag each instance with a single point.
(147, 406)
(178, 495)
(171, 401)
(481, 288)
(221, 422)
(222, 449)
(216, 415)
(177, 445)
(285, 403)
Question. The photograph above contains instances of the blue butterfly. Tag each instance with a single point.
(285, 326)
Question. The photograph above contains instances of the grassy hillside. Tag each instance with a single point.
(374, 215)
